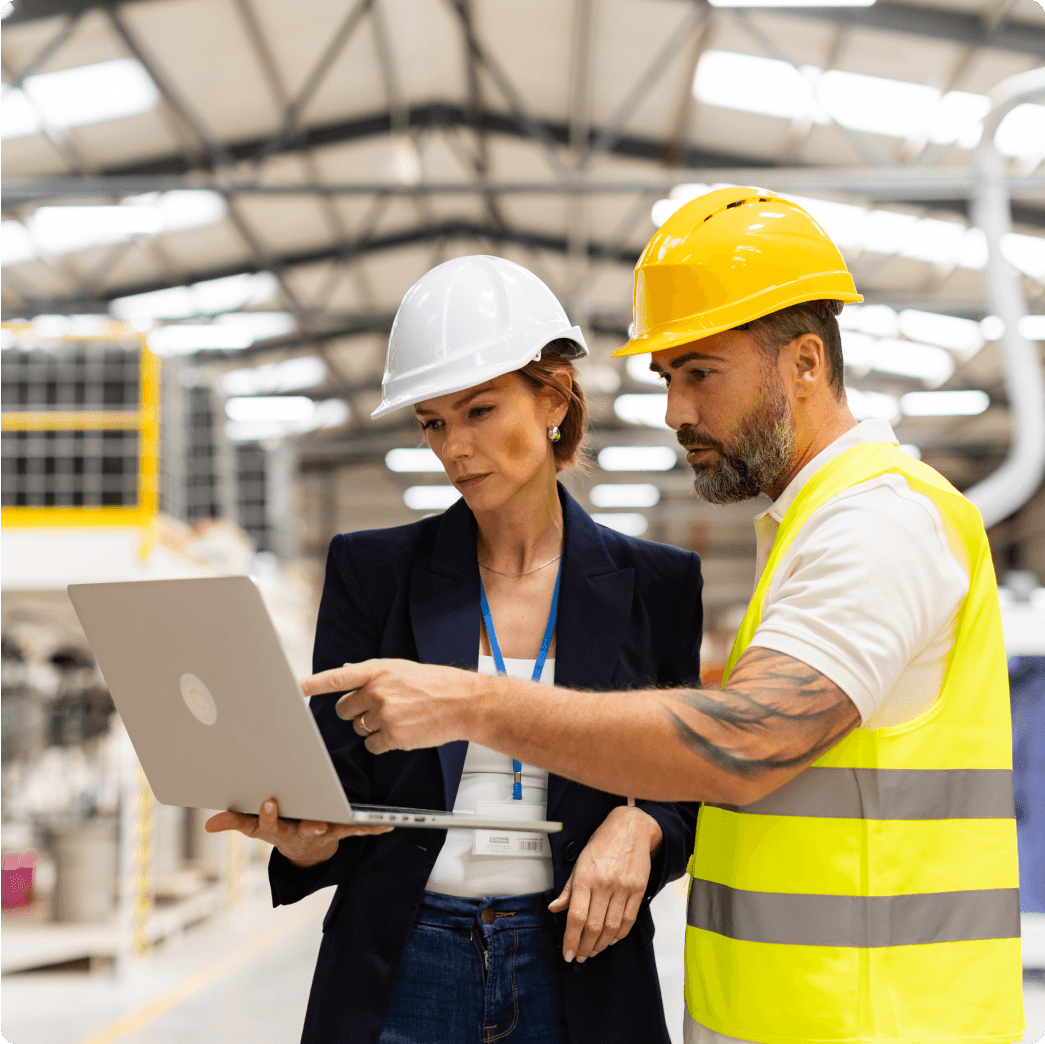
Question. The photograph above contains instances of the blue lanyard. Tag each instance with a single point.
(538, 666)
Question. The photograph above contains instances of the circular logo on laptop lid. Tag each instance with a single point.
(198, 699)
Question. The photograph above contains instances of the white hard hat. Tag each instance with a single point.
(467, 321)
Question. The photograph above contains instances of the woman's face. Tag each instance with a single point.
(492, 439)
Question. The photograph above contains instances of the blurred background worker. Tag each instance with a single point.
(515, 580)
(855, 873)
(212, 210)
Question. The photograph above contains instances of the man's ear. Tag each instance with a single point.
(809, 359)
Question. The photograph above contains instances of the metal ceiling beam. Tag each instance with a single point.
(338, 252)
(944, 188)
(886, 15)
(936, 22)
(432, 116)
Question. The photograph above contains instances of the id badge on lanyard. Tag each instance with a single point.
(512, 842)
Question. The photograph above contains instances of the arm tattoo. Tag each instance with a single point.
(775, 713)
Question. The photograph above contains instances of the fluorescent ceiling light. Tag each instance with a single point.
(624, 522)
(992, 327)
(207, 298)
(945, 403)
(624, 495)
(411, 459)
(924, 362)
(868, 405)
(648, 410)
(1032, 327)
(637, 458)
(911, 450)
(305, 371)
(228, 332)
(75, 97)
(638, 369)
(270, 408)
(430, 498)
(948, 331)
(265, 422)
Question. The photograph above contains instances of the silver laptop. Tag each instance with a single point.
(213, 709)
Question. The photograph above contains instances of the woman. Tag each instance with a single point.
(431, 938)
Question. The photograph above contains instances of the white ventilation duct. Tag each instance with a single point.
(1016, 481)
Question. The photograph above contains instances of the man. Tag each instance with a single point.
(854, 876)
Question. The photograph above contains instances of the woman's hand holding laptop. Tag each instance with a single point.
(305, 843)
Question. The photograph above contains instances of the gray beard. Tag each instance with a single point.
(753, 461)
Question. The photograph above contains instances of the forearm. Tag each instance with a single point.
(620, 743)
(730, 745)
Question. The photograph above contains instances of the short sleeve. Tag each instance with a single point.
(867, 585)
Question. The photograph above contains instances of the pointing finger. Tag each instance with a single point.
(339, 679)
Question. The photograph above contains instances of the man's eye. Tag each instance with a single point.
(699, 375)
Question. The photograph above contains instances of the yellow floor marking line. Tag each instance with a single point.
(203, 978)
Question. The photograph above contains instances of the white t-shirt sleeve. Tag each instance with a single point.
(868, 584)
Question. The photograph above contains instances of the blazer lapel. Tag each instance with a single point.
(444, 612)
(594, 609)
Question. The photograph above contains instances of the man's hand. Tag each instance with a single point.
(304, 844)
(401, 705)
(605, 890)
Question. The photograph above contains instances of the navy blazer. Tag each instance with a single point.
(629, 617)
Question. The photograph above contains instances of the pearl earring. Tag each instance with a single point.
(554, 434)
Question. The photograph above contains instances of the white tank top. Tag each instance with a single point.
(488, 776)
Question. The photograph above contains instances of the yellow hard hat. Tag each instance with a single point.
(726, 258)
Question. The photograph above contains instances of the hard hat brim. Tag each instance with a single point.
(737, 313)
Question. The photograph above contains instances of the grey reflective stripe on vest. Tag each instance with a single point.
(867, 793)
(860, 921)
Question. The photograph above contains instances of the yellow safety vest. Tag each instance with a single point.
(875, 896)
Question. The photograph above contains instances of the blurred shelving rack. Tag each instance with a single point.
(81, 502)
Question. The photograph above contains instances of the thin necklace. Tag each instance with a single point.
(528, 571)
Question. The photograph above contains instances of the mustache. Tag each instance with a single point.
(691, 437)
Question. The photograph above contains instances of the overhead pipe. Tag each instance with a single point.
(1018, 478)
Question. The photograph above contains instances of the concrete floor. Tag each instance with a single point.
(244, 977)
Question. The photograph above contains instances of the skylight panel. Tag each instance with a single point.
(1022, 132)
(753, 84)
(206, 298)
(958, 119)
(76, 97)
(63, 230)
(874, 104)
(16, 245)
(412, 459)
(938, 242)
(430, 498)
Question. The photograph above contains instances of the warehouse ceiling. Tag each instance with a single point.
(337, 149)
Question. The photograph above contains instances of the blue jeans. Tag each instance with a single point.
(480, 971)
